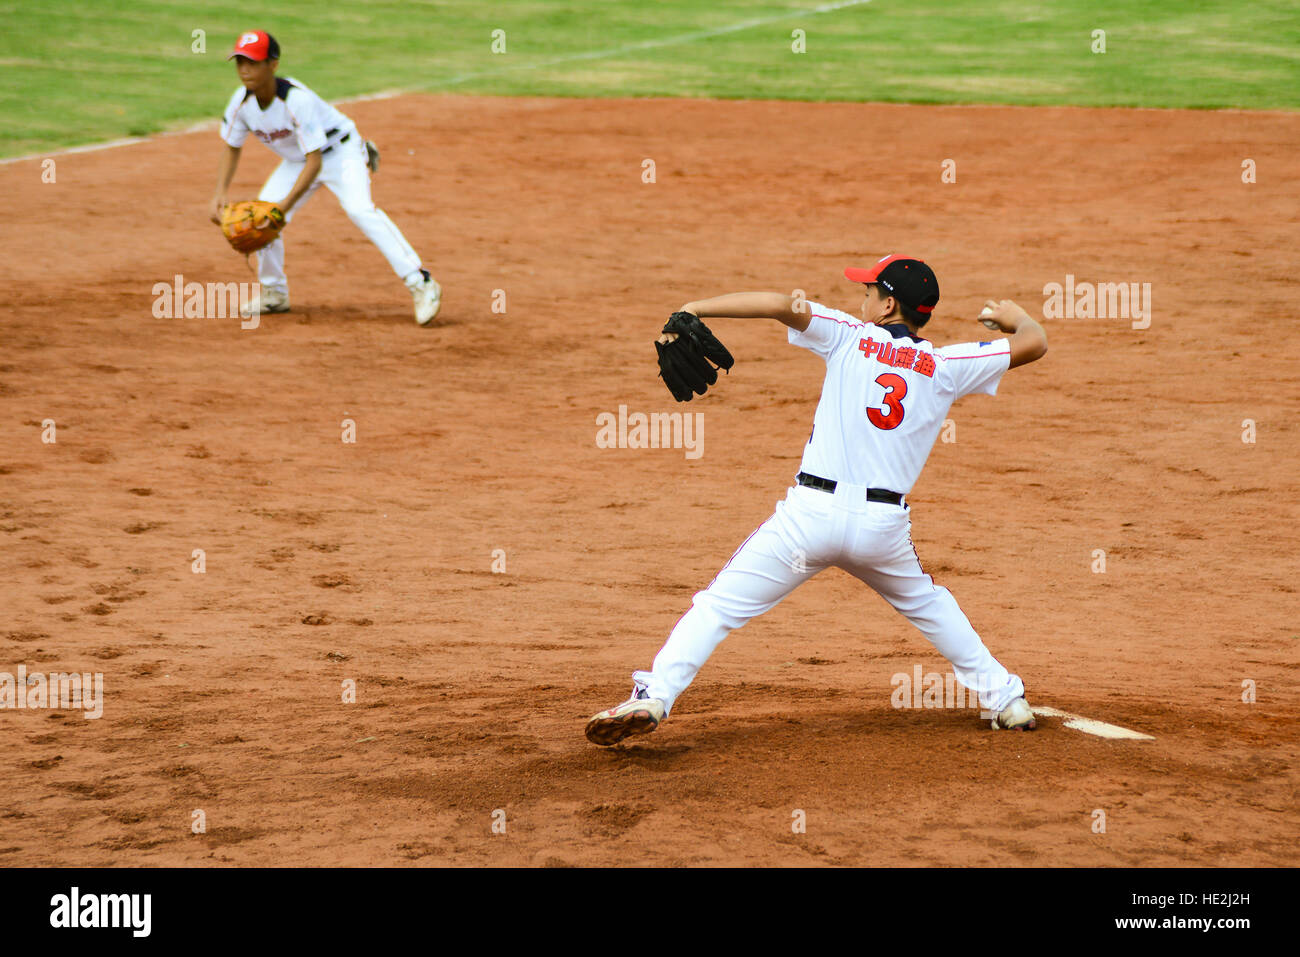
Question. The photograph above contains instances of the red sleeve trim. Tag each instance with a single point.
(979, 355)
(818, 315)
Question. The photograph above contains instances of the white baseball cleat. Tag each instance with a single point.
(428, 298)
(268, 300)
(1016, 717)
(633, 716)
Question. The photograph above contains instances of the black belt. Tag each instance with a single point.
(328, 134)
(827, 485)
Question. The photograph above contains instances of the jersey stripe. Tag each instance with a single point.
(818, 315)
(979, 355)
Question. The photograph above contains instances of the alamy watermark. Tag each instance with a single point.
(934, 690)
(73, 691)
(207, 300)
(128, 911)
(1098, 300)
(653, 430)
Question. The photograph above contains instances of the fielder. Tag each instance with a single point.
(884, 400)
(317, 144)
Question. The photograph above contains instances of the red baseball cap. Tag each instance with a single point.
(256, 45)
(910, 281)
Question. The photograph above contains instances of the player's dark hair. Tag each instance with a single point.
(912, 316)
(272, 48)
(906, 313)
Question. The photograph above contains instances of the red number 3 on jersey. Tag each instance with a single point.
(896, 389)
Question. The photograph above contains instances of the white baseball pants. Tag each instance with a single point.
(345, 173)
(812, 530)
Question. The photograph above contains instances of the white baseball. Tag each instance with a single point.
(988, 311)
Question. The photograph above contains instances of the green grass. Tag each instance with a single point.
(79, 72)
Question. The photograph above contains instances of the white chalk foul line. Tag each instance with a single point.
(649, 44)
(466, 77)
(110, 144)
(1091, 726)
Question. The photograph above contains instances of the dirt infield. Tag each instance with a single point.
(476, 442)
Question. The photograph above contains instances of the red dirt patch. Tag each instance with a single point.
(373, 562)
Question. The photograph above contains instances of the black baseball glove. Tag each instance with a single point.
(689, 364)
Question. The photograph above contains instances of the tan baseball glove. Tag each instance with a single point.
(251, 224)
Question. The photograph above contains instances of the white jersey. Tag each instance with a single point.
(296, 122)
(885, 396)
